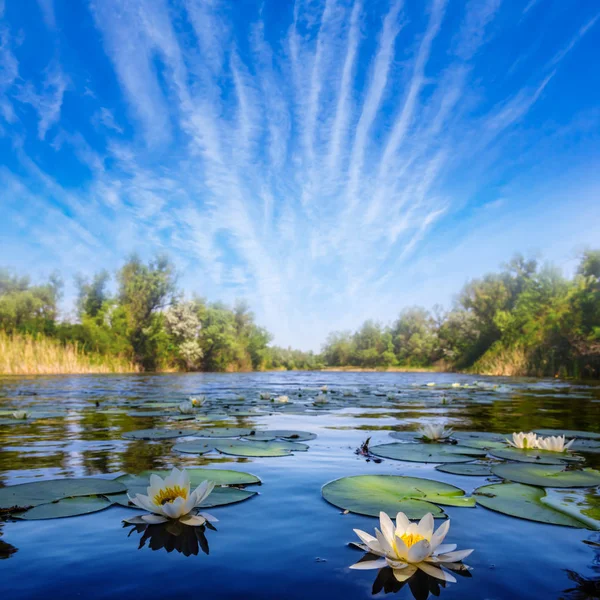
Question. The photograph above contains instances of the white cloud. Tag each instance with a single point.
(310, 163)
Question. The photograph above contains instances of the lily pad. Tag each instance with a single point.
(285, 434)
(137, 484)
(157, 434)
(488, 445)
(195, 447)
(547, 475)
(220, 496)
(570, 433)
(370, 494)
(470, 469)
(69, 507)
(260, 449)
(427, 453)
(43, 492)
(524, 502)
(541, 457)
(224, 432)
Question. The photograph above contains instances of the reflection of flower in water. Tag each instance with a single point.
(408, 547)
(420, 584)
(173, 535)
(6, 549)
(585, 589)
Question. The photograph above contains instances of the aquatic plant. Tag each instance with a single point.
(555, 443)
(186, 408)
(524, 441)
(435, 432)
(408, 546)
(170, 498)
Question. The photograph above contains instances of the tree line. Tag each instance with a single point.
(147, 321)
(525, 319)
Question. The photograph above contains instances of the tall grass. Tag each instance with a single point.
(502, 361)
(40, 355)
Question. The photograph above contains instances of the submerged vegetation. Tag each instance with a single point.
(524, 320)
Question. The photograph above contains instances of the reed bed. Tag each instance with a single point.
(40, 355)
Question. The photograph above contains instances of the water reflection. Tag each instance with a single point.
(585, 588)
(172, 535)
(420, 584)
(6, 549)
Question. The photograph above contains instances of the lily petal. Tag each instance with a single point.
(404, 574)
(436, 572)
(369, 564)
(154, 519)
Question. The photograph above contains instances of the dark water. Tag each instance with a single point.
(287, 542)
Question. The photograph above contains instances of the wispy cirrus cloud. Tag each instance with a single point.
(306, 157)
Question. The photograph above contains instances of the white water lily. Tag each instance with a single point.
(435, 432)
(408, 546)
(524, 441)
(324, 389)
(265, 396)
(282, 399)
(430, 384)
(320, 399)
(20, 415)
(170, 498)
(554, 443)
(186, 408)
(455, 385)
(196, 400)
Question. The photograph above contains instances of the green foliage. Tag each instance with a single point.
(523, 320)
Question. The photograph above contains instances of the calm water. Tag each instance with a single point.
(286, 543)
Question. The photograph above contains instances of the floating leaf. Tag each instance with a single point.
(483, 444)
(138, 483)
(194, 447)
(569, 433)
(260, 449)
(43, 492)
(224, 432)
(69, 507)
(157, 434)
(470, 469)
(370, 494)
(547, 475)
(524, 502)
(428, 453)
(541, 457)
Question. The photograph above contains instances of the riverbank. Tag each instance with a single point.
(39, 355)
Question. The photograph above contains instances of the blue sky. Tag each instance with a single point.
(328, 160)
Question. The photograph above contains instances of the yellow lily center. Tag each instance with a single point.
(410, 539)
(169, 494)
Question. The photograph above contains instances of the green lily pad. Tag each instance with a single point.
(260, 449)
(44, 492)
(157, 434)
(283, 434)
(224, 432)
(137, 484)
(370, 494)
(151, 413)
(195, 447)
(524, 502)
(569, 433)
(470, 469)
(541, 457)
(488, 445)
(586, 446)
(547, 475)
(583, 505)
(427, 453)
(68, 507)
(220, 496)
